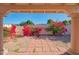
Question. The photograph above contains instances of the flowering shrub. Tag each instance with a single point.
(27, 30)
(58, 28)
(37, 31)
(13, 31)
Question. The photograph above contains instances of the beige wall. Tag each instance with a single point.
(1, 36)
(75, 33)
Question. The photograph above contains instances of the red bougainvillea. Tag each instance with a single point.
(27, 30)
(57, 24)
(13, 31)
(59, 27)
(38, 29)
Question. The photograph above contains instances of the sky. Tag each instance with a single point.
(36, 18)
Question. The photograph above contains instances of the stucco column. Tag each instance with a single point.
(1, 35)
(75, 33)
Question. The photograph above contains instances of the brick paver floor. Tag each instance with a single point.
(36, 46)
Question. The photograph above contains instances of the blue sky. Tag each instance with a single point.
(37, 18)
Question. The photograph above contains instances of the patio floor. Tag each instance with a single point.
(44, 45)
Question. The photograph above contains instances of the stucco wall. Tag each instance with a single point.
(68, 29)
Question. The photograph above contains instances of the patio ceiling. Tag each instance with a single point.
(40, 7)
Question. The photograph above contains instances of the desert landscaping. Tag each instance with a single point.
(43, 41)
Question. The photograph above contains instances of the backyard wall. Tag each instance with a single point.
(68, 29)
(19, 30)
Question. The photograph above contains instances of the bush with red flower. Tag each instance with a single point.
(58, 28)
(37, 31)
(13, 31)
(27, 30)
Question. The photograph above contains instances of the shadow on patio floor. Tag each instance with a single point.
(63, 38)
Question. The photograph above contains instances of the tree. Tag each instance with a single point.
(69, 21)
(49, 21)
(29, 22)
(66, 22)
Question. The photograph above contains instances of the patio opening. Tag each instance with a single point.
(37, 33)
